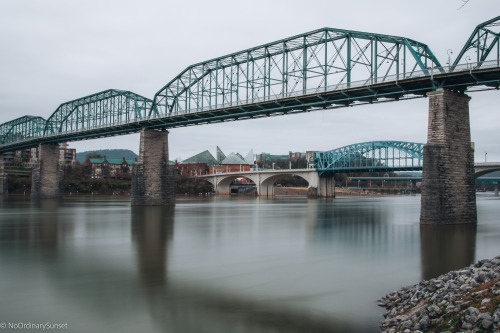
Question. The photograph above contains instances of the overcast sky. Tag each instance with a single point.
(53, 51)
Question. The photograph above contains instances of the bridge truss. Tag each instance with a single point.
(323, 69)
(483, 45)
(371, 157)
(21, 128)
(307, 64)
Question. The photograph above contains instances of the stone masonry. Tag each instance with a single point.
(3, 178)
(47, 178)
(448, 189)
(152, 176)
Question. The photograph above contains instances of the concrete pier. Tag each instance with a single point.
(152, 176)
(47, 178)
(326, 187)
(448, 188)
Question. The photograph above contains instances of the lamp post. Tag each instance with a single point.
(449, 58)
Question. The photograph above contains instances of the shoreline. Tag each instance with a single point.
(464, 300)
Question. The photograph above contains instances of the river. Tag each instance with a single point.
(212, 264)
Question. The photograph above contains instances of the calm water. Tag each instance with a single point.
(223, 265)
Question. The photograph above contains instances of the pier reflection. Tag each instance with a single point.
(446, 248)
(152, 230)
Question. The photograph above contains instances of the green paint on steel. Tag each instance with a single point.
(481, 44)
(371, 156)
(322, 69)
(299, 65)
(104, 109)
(22, 128)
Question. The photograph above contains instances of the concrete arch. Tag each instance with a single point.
(264, 180)
(222, 183)
(481, 169)
(267, 184)
(485, 172)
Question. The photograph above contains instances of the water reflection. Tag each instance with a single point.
(179, 306)
(446, 247)
(366, 224)
(152, 230)
(214, 265)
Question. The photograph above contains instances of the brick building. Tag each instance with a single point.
(28, 158)
(102, 167)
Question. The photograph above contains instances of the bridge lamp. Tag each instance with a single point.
(468, 59)
(449, 59)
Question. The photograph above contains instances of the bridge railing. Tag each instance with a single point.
(429, 72)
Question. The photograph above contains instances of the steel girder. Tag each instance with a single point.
(371, 156)
(322, 60)
(483, 45)
(21, 129)
(104, 109)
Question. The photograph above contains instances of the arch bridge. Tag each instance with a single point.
(360, 157)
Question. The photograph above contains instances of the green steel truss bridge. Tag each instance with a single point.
(371, 157)
(322, 69)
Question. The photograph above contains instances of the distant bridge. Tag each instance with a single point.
(376, 156)
(371, 156)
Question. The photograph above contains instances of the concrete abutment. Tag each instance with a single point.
(448, 188)
(152, 176)
(47, 178)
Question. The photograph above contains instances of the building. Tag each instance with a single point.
(28, 158)
(102, 167)
(205, 163)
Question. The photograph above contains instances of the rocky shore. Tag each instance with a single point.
(466, 300)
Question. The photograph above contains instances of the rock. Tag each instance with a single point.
(434, 311)
(466, 326)
(481, 278)
(496, 316)
(485, 301)
(472, 311)
(486, 324)
(407, 324)
(484, 316)
(424, 322)
(424, 306)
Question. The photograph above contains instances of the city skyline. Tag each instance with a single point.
(58, 51)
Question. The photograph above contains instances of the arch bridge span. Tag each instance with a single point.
(359, 157)
(263, 179)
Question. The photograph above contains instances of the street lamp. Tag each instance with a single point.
(467, 59)
(449, 59)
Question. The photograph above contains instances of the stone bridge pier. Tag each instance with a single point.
(448, 188)
(47, 179)
(152, 176)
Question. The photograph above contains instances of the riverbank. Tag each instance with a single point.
(466, 300)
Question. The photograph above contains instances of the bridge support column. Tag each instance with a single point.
(4, 189)
(326, 188)
(448, 189)
(47, 179)
(152, 176)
